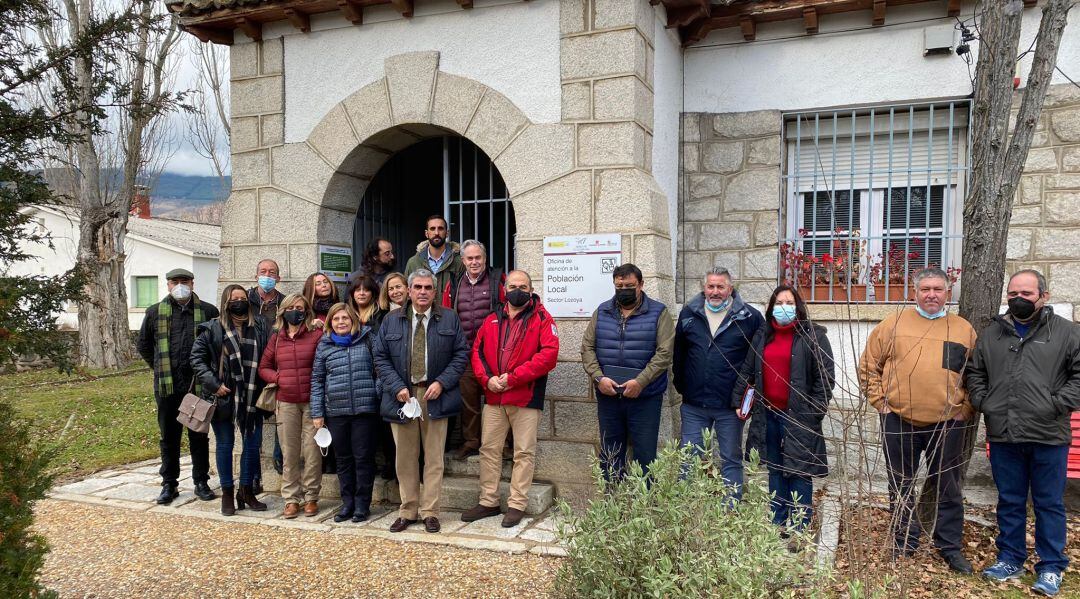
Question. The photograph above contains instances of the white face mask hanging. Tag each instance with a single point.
(411, 410)
(322, 439)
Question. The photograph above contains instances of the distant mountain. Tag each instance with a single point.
(190, 188)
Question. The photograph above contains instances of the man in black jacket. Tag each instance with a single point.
(165, 340)
(1025, 379)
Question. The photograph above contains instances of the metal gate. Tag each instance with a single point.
(449, 176)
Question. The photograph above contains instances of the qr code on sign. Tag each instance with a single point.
(607, 265)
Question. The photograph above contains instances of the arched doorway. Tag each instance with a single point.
(446, 175)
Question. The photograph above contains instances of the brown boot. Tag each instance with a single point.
(479, 511)
(292, 510)
(512, 518)
(246, 497)
(227, 507)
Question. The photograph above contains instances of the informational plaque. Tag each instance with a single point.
(335, 262)
(577, 273)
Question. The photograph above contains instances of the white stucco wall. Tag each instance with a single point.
(143, 259)
(510, 47)
(667, 106)
(841, 67)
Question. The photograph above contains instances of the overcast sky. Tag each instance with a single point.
(185, 160)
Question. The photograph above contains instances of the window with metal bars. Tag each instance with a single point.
(872, 195)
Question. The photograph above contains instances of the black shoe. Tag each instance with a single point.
(203, 492)
(343, 514)
(957, 562)
(359, 516)
(256, 486)
(168, 493)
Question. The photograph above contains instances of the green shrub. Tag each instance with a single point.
(681, 536)
(23, 481)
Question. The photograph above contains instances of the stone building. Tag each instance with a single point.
(704, 134)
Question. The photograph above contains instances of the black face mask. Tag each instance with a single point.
(518, 297)
(626, 297)
(1021, 308)
(238, 307)
(294, 317)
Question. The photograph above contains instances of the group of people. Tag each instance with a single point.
(453, 336)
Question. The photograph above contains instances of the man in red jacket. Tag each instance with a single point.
(516, 347)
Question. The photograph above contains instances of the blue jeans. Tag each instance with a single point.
(1018, 468)
(790, 490)
(727, 428)
(225, 433)
(622, 420)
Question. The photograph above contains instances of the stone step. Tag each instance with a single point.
(461, 493)
(471, 467)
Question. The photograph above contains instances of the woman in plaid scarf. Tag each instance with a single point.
(225, 359)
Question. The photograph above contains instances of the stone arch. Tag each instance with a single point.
(414, 100)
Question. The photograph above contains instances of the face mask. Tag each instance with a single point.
(784, 315)
(323, 439)
(1021, 308)
(929, 316)
(410, 410)
(267, 283)
(626, 297)
(294, 317)
(723, 306)
(238, 308)
(180, 292)
(518, 297)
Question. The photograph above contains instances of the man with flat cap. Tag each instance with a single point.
(165, 340)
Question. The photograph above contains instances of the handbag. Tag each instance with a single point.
(195, 412)
(268, 397)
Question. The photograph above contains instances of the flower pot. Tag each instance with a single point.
(895, 293)
(837, 292)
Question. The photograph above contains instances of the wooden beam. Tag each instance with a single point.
(299, 20)
(749, 27)
(683, 16)
(352, 12)
(405, 7)
(209, 34)
(696, 31)
(954, 8)
(250, 28)
(879, 13)
(465, 3)
(809, 15)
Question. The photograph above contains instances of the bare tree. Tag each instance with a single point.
(208, 128)
(130, 79)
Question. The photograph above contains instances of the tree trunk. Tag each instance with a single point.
(997, 162)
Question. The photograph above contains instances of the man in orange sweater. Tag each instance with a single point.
(912, 372)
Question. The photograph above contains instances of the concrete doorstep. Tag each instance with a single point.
(136, 486)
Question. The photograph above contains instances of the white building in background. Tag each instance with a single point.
(153, 246)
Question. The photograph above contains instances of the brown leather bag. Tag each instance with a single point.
(195, 412)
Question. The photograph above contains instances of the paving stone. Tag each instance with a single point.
(88, 486)
(109, 473)
(140, 506)
(153, 469)
(135, 477)
(185, 498)
(298, 523)
(492, 527)
(549, 550)
(540, 536)
(130, 492)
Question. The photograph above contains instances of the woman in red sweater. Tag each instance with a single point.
(790, 367)
(287, 362)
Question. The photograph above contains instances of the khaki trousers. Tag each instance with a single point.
(472, 403)
(408, 437)
(498, 420)
(297, 438)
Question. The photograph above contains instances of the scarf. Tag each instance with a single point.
(241, 354)
(341, 340)
(163, 364)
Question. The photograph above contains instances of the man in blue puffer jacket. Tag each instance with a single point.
(626, 351)
(712, 338)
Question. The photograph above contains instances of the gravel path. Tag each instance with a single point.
(106, 552)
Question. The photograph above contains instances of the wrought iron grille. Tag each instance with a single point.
(872, 195)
